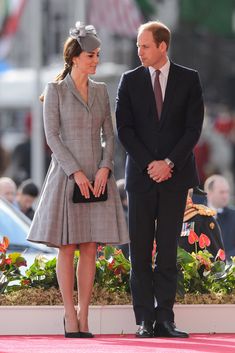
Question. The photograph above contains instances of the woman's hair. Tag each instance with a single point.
(161, 33)
(71, 49)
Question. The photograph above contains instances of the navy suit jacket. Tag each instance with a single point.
(145, 138)
(226, 221)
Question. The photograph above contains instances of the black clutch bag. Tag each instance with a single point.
(79, 198)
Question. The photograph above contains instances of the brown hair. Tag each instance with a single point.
(71, 49)
(161, 33)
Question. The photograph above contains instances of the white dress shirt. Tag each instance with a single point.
(162, 77)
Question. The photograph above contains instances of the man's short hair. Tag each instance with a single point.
(209, 183)
(27, 187)
(160, 32)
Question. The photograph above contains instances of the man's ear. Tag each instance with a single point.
(163, 47)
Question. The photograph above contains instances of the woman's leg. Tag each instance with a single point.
(85, 277)
(65, 276)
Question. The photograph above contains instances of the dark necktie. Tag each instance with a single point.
(158, 94)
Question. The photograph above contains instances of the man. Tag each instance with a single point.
(27, 193)
(201, 219)
(218, 195)
(160, 168)
(7, 189)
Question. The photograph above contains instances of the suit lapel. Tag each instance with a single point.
(91, 92)
(148, 82)
(169, 94)
(148, 93)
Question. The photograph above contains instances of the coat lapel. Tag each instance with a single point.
(74, 91)
(91, 92)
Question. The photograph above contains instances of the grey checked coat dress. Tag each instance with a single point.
(81, 137)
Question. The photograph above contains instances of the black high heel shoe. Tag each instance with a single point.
(86, 335)
(71, 334)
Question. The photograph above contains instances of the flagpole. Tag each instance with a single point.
(37, 137)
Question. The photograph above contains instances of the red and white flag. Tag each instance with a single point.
(10, 13)
(121, 17)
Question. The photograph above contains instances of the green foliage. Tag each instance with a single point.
(198, 272)
(112, 270)
(146, 7)
(9, 267)
(214, 16)
(42, 273)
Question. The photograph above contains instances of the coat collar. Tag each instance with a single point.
(91, 91)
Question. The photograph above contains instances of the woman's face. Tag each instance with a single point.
(87, 62)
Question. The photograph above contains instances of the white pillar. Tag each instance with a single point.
(37, 137)
(80, 11)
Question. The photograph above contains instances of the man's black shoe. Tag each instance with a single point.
(168, 329)
(145, 330)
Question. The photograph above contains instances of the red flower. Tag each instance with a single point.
(2, 249)
(117, 251)
(154, 248)
(25, 282)
(4, 245)
(192, 238)
(111, 264)
(100, 248)
(117, 271)
(204, 262)
(8, 261)
(204, 241)
(220, 255)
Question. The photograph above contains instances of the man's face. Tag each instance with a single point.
(148, 52)
(8, 192)
(219, 195)
(25, 202)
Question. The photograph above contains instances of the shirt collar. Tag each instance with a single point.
(164, 69)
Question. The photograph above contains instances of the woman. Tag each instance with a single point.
(77, 123)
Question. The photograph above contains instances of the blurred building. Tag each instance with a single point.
(35, 31)
(32, 33)
(204, 39)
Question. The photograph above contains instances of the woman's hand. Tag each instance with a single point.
(101, 181)
(83, 183)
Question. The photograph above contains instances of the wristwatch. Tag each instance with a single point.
(169, 162)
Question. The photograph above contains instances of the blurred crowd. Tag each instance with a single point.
(21, 197)
(215, 155)
(215, 152)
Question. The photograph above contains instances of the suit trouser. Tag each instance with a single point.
(155, 214)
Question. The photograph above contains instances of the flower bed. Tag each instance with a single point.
(52, 296)
(201, 279)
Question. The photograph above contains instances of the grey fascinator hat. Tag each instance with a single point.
(86, 36)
